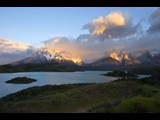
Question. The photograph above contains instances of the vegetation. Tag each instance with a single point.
(50, 67)
(122, 95)
(139, 105)
(152, 80)
(118, 73)
(145, 70)
(68, 98)
(126, 94)
(21, 80)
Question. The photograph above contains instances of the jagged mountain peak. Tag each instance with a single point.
(51, 54)
(58, 56)
(45, 55)
(113, 57)
(120, 55)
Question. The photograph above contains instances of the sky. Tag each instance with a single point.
(80, 31)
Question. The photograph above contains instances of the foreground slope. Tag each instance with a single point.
(100, 97)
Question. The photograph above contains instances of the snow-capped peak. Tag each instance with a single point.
(56, 55)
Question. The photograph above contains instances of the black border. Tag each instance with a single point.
(79, 116)
(79, 3)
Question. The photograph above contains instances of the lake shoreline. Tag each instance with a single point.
(52, 78)
(83, 97)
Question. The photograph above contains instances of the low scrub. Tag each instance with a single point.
(139, 105)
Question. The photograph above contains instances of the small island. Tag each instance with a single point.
(118, 73)
(21, 80)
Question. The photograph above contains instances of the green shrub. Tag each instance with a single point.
(147, 90)
(138, 105)
(59, 98)
(152, 80)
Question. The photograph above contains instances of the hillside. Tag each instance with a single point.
(100, 97)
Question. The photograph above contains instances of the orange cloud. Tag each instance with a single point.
(11, 51)
(12, 46)
(111, 20)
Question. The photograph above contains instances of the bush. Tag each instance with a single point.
(147, 90)
(152, 80)
(138, 105)
(59, 98)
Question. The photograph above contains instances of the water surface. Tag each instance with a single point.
(52, 78)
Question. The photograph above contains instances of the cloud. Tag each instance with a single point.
(114, 31)
(98, 26)
(101, 37)
(68, 45)
(84, 49)
(149, 39)
(116, 24)
(154, 21)
(144, 42)
(11, 46)
(12, 51)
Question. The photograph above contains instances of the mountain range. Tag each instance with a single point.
(49, 60)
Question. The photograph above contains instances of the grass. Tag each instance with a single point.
(100, 97)
(67, 98)
(147, 90)
(139, 105)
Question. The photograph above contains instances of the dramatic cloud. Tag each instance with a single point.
(155, 22)
(85, 50)
(12, 51)
(98, 26)
(115, 25)
(149, 40)
(114, 31)
(11, 46)
(144, 42)
(70, 46)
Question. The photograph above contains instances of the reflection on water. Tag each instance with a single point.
(44, 78)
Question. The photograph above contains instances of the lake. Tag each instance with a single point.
(52, 78)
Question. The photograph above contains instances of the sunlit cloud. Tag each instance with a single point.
(11, 46)
(113, 31)
(112, 20)
(12, 51)
(116, 24)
